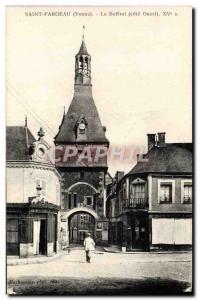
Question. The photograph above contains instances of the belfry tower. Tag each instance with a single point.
(81, 158)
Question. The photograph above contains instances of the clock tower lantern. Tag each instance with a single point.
(83, 66)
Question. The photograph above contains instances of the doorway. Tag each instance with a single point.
(40, 237)
(139, 230)
(79, 224)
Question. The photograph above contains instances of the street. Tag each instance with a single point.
(107, 274)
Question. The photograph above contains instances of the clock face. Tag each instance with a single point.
(41, 151)
(82, 126)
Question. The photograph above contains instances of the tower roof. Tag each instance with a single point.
(82, 104)
(18, 139)
(83, 49)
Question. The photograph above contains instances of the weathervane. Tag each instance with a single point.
(83, 35)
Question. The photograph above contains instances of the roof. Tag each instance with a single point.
(83, 49)
(171, 158)
(82, 104)
(18, 138)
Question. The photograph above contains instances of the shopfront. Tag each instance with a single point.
(32, 229)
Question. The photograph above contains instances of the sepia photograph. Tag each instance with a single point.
(99, 150)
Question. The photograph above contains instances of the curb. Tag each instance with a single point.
(146, 252)
(32, 260)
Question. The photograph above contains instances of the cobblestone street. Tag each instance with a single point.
(108, 273)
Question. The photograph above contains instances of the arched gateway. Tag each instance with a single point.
(78, 221)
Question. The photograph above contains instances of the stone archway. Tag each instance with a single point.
(79, 224)
(81, 209)
(82, 183)
(66, 218)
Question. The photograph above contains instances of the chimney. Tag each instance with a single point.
(161, 139)
(151, 140)
(119, 175)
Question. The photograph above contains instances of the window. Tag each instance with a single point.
(82, 175)
(94, 201)
(75, 200)
(69, 201)
(138, 191)
(187, 193)
(12, 231)
(166, 193)
(120, 202)
(86, 62)
(88, 200)
(82, 219)
(81, 61)
(124, 191)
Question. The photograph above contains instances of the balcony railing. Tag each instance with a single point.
(165, 199)
(136, 203)
(187, 200)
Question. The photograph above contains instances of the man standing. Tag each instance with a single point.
(89, 246)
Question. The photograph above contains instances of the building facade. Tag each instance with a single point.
(33, 195)
(151, 206)
(81, 158)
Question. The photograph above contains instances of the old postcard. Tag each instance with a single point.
(99, 150)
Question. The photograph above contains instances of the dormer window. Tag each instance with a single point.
(81, 129)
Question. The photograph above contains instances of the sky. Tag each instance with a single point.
(141, 71)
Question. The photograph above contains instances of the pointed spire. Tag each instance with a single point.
(83, 48)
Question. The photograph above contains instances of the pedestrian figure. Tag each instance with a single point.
(89, 246)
